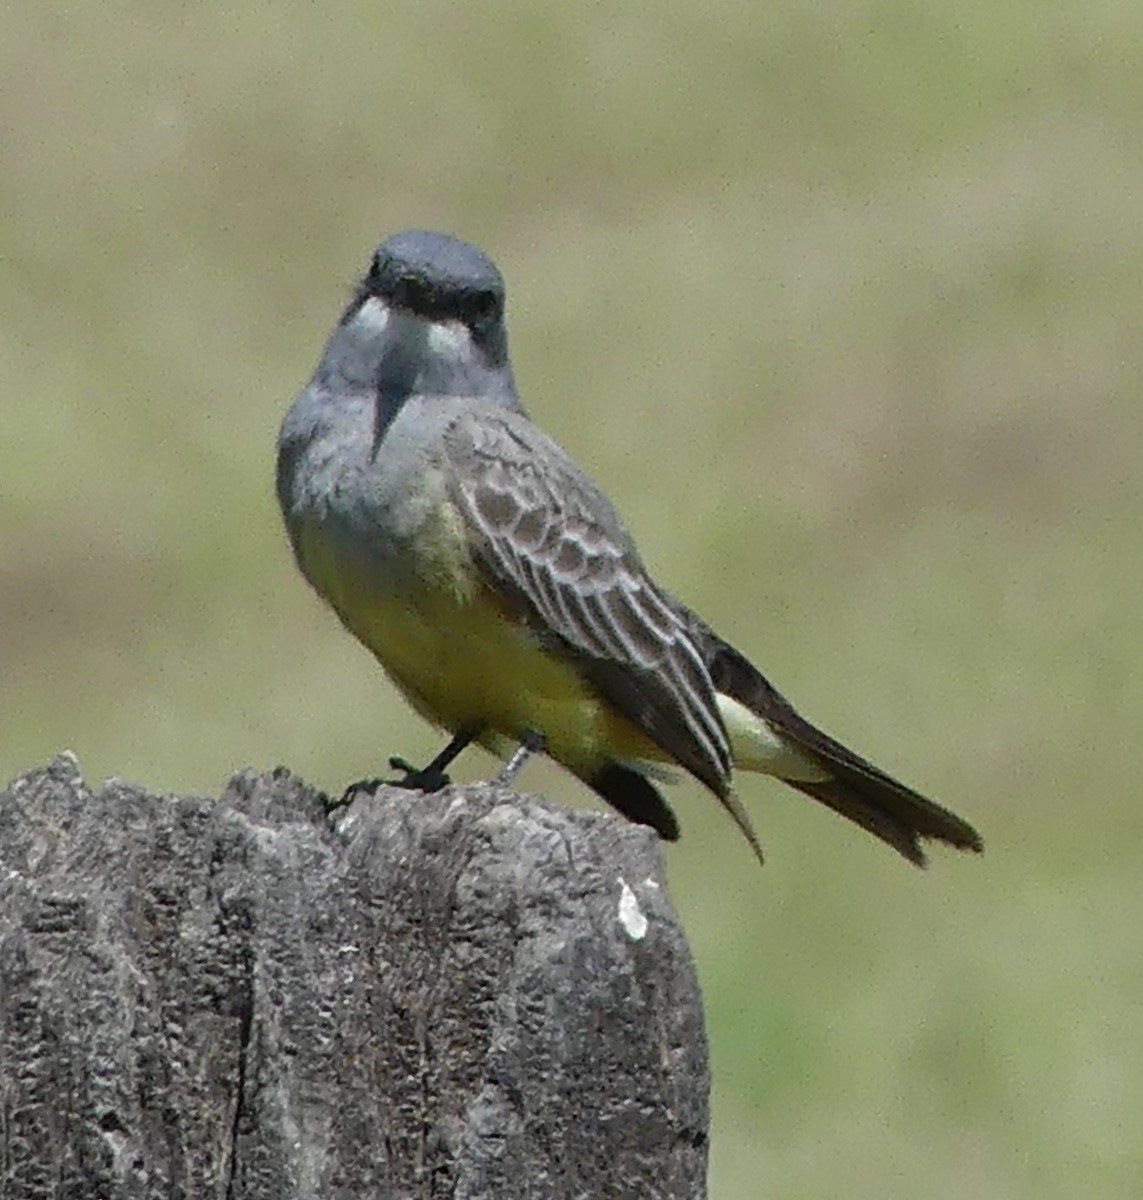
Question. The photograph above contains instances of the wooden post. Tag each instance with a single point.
(475, 994)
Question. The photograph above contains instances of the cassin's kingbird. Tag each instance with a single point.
(497, 586)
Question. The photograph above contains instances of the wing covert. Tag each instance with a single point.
(545, 534)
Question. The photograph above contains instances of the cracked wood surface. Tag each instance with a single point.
(472, 994)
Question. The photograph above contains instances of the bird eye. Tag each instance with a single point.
(484, 305)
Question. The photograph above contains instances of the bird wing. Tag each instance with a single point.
(543, 533)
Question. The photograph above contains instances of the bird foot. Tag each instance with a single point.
(423, 779)
(417, 779)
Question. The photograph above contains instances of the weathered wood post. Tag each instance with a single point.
(474, 994)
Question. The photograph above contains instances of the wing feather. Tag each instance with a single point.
(545, 534)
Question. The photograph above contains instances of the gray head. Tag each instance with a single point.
(426, 319)
(439, 277)
(432, 279)
(426, 322)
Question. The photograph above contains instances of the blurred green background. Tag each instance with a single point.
(841, 302)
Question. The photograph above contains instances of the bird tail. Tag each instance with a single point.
(891, 811)
(849, 785)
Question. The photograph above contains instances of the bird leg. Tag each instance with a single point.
(430, 778)
(531, 743)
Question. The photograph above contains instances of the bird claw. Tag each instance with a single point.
(423, 779)
(417, 779)
(366, 786)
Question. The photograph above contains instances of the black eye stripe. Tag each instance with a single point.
(483, 304)
(444, 299)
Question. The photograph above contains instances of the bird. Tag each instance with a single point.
(499, 589)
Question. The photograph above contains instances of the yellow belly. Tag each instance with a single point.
(468, 662)
(463, 659)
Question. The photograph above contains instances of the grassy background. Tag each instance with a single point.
(842, 304)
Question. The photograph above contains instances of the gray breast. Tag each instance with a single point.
(356, 483)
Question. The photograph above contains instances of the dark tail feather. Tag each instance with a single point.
(858, 790)
(892, 812)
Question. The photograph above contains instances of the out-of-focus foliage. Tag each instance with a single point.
(841, 303)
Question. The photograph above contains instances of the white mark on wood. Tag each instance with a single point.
(630, 914)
